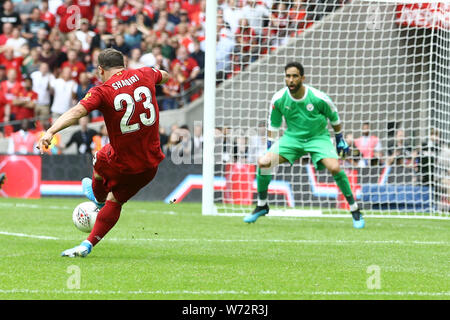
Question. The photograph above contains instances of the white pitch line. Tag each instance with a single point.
(300, 241)
(23, 235)
(228, 292)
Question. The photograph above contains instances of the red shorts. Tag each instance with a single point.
(122, 185)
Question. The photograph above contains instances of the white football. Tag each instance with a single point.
(84, 216)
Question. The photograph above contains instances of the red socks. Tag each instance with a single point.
(99, 190)
(106, 219)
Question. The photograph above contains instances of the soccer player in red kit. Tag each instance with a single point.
(128, 103)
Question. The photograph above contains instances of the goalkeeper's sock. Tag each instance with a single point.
(344, 185)
(106, 219)
(99, 189)
(262, 181)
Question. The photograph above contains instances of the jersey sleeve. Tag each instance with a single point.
(330, 111)
(92, 100)
(275, 117)
(155, 74)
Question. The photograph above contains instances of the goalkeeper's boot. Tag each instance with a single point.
(86, 183)
(2, 179)
(258, 212)
(79, 251)
(358, 220)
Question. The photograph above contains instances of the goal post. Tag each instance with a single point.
(386, 66)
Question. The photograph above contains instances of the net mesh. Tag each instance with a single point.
(385, 65)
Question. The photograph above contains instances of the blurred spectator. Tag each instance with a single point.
(52, 54)
(278, 24)
(110, 11)
(68, 17)
(11, 88)
(133, 36)
(224, 49)
(85, 35)
(119, 44)
(41, 85)
(55, 146)
(245, 50)
(102, 39)
(134, 60)
(16, 41)
(197, 144)
(231, 15)
(22, 141)
(26, 102)
(297, 15)
(354, 159)
(257, 15)
(189, 66)
(89, 10)
(33, 25)
(5, 108)
(25, 8)
(369, 145)
(100, 140)
(172, 89)
(31, 62)
(64, 91)
(199, 55)
(84, 86)
(46, 15)
(76, 67)
(399, 152)
(429, 152)
(9, 15)
(7, 30)
(10, 62)
(82, 138)
(175, 13)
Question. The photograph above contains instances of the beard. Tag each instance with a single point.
(295, 88)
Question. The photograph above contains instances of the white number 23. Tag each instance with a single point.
(125, 126)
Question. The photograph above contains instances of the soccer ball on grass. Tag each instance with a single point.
(84, 216)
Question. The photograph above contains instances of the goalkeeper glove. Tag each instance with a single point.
(342, 147)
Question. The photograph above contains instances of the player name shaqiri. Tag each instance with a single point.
(127, 82)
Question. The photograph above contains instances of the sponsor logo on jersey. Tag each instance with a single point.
(87, 96)
(287, 107)
(310, 107)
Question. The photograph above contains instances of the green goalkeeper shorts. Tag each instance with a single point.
(292, 149)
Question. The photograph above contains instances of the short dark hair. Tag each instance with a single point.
(297, 65)
(110, 58)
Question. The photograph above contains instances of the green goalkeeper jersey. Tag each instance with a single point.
(306, 117)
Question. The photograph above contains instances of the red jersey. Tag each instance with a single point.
(128, 104)
(11, 92)
(68, 17)
(76, 69)
(3, 103)
(49, 18)
(24, 112)
(87, 8)
(187, 66)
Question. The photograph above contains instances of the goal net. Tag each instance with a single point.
(386, 66)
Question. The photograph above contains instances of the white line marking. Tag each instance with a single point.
(23, 235)
(299, 241)
(227, 292)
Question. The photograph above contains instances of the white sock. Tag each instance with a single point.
(262, 203)
(354, 207)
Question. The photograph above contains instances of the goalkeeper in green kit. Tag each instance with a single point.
(306, 111)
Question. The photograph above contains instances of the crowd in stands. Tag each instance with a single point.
(53, 46)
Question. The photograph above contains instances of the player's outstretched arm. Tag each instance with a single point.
(67, 119)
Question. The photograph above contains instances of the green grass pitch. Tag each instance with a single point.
(161, 251)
